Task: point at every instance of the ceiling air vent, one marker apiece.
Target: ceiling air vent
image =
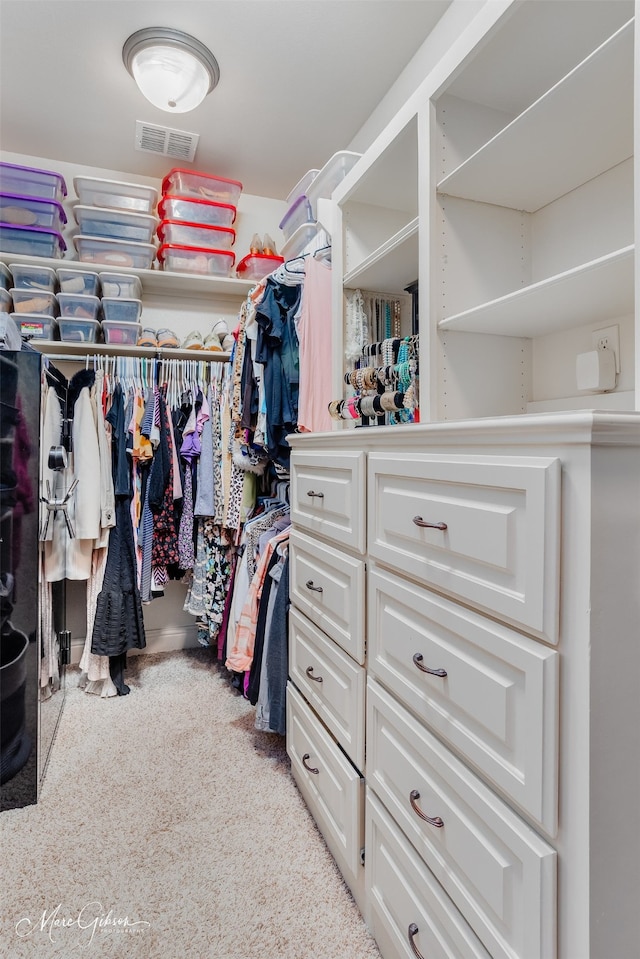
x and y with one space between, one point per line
165 142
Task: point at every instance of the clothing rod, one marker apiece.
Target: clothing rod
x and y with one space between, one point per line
82 350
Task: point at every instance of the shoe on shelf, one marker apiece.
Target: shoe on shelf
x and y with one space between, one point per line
167 339
211 342
147 338
256 244
269 246
220 328
193 341
228 342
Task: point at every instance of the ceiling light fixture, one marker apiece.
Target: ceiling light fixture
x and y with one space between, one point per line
173 70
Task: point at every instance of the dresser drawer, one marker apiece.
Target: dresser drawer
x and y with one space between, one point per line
331 682
405 902
498 545
332 789
500 874
328 587
328 496
492 693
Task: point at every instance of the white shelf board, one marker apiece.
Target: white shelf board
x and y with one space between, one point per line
581 127
589 293
153 281
392 267
80 350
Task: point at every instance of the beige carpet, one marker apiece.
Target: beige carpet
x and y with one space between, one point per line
168 828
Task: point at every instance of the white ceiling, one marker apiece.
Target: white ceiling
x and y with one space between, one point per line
298 80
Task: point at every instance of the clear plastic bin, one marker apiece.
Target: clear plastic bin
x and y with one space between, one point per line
32 211
177 233
118 309
331 174
120 284
125 333
194 210
37 302
36 327
256 265
97 249
6 303
31 241
115 195
301 186
300 240
79 281
27 276
28 181
79 331
193 259
204 185
298 213
78 306
6 278
115 224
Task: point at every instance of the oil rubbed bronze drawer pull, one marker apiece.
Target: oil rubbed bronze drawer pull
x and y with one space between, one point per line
417 659
432 820
309 672
309 585
419 521
311 769
413 931
311 492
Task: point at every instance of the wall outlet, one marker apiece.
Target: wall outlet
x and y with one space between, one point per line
608 339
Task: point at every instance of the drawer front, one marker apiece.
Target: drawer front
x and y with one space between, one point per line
331 787
500 874
492 693
328 496
405 902
328 587
331 682
498 547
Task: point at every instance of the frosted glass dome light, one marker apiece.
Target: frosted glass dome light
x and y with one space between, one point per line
174 71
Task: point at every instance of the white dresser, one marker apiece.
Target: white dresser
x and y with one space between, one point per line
464 663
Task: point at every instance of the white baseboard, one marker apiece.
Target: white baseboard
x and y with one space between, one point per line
158 641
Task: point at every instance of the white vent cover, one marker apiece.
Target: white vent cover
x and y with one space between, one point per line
165 142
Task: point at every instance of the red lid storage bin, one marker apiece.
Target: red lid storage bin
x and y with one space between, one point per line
181 233
191 183
194 210
194 259
256 265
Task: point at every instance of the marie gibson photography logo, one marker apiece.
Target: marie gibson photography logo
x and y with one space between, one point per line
86 923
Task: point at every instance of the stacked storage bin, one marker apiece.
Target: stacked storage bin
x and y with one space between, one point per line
35 305
116 223
197 213
99 305
31 214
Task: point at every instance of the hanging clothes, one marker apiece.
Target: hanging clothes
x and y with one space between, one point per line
316 348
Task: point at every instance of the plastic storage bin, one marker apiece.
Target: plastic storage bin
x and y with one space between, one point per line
115 224
99 249
81 306
299 212
78 281
118 309
31 241
301 186
79 331
32 211
34 301
27 276
6 303
191 183
115 195
6 278
120 284
28 181
256 265
300 240
331 174
193 259
175 232
124 333
194 210
36 327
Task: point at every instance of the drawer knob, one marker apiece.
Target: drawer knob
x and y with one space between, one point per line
309 585
311 769
418 657
311 492
413 931
309 672
419 521
432 820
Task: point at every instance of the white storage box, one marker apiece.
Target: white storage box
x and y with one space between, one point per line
78 281
119 309
194 210
94 249
300 240
331 174
301 186
115 224
34 301
36 327
79 331
124 333
27 276
175 232
120 284
78 306
114 195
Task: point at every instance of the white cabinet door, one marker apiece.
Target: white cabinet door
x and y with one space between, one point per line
328 496
488 691
328 587
484 529
498 871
